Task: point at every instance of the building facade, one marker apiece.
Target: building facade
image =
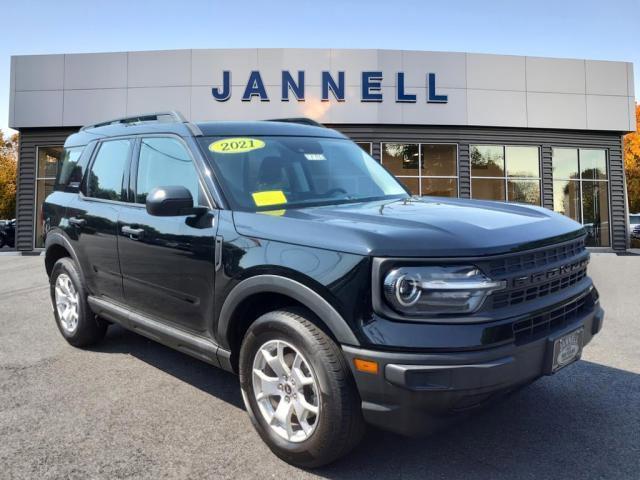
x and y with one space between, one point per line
536 130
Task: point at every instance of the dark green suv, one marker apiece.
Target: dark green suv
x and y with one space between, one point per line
283 252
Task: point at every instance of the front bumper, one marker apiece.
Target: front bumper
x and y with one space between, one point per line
416 393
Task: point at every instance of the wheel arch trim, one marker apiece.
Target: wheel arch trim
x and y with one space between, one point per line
291 288
57 238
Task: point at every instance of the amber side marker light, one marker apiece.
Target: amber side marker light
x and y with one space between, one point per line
366 366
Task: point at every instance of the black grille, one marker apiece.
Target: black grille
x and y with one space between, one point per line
545 323
537 259
520 295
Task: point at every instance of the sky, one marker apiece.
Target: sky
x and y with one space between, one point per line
602 30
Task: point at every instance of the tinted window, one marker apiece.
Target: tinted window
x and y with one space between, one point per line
107 171
165 162
70 171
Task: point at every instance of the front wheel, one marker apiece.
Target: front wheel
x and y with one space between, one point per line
298 390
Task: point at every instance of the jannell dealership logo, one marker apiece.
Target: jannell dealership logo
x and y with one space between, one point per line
331 85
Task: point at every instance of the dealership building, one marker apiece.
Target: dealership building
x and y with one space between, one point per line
543 131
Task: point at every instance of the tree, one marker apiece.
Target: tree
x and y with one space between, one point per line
632 165
8 175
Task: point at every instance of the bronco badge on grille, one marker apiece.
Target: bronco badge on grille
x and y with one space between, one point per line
549 274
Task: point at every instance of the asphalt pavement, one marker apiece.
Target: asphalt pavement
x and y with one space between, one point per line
131 408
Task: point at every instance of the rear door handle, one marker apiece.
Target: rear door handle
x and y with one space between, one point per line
133 233
78 222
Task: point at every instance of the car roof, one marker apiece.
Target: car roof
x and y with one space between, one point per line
266 128
209 129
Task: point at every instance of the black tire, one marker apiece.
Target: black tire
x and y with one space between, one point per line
2 241
90 329
340 425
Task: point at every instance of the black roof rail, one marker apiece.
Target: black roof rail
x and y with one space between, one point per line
300 120
169 116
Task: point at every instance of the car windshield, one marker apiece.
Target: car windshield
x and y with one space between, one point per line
267 173
635 219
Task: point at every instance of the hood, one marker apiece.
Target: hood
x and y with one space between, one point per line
416 227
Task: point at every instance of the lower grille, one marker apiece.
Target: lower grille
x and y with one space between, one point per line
545 323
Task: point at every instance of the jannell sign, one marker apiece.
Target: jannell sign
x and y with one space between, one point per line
371 87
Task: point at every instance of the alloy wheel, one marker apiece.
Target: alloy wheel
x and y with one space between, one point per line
286 390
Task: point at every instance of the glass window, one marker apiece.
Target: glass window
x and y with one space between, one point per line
522 162
580 190
366 146
566 198
565 163
510 173
401 159
593 164
290 172
439 161
70 171
595 211
440 187
49 159
164 162
524 191
107 171
487 161
488 189
412 184
436 172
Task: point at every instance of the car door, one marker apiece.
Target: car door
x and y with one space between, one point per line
93 217
168 263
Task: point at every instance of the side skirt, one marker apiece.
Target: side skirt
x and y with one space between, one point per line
196 346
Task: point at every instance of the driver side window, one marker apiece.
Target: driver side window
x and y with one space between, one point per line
164 161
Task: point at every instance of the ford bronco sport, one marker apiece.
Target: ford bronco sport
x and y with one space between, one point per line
282 251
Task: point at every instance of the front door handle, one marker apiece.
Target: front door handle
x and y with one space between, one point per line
78 222
133 233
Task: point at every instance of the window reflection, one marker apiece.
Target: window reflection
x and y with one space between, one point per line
440 187
565 163
522 162
426 169
400 158
593 164
48 162
510 173
412 184
566 198
524 191
595 208
488 189
487 161
366 146
580 190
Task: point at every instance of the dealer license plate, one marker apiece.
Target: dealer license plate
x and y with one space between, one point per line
567 349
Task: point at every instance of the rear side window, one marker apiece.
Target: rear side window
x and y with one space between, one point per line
165 162
71 170
107 171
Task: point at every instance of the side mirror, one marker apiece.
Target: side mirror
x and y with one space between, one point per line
170 201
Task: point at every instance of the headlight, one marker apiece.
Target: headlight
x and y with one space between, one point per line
432 290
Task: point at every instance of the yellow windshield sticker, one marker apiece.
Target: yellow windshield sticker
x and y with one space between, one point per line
274 213
270 197
236 145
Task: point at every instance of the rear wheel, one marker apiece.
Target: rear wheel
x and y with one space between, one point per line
298 390
75 320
